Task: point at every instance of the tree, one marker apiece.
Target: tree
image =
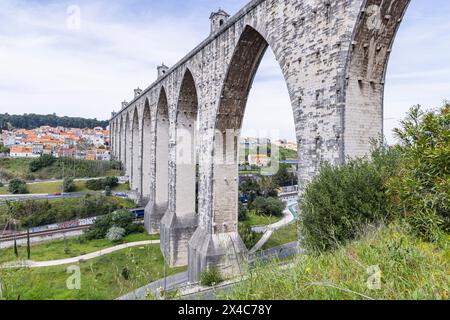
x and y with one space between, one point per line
268 206
68 185
284 177
422 188
17 186
243 212
44 161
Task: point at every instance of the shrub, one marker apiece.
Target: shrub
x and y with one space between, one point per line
99 228
242 212
211 277
115 234
125 273
17 186
68 185
43 161
249 237
339 202
268 206
421 191
1 184
101 184
122 219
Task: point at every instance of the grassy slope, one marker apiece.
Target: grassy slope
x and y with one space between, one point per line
54 250
410 269
70 203
260 220
101 278
19 168
52 187
282 236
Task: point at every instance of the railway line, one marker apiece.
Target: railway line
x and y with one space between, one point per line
41 233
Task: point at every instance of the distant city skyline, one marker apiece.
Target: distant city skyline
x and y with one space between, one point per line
57 65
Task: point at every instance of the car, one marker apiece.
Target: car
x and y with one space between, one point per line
57 194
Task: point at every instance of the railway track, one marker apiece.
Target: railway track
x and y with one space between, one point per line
41 233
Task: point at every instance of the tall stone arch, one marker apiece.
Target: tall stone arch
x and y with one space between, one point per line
146 152
158 205
136 147
180 221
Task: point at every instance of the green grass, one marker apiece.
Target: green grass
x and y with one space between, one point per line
254 219
410 269
20 168
101 278
54 250
282 236
53 187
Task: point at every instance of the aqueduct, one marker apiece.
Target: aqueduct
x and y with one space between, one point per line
178 138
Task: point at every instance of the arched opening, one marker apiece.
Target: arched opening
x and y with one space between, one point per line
162 156
146 151
136 154
229 122
121 143
125 144
128 148
186 155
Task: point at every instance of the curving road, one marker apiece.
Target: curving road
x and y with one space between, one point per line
288 218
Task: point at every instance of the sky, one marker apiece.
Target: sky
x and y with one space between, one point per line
52 62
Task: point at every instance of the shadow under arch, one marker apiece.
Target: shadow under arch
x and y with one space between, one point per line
244 65
127 145
180 222
136 177
186 155
121 143
158 205
146 145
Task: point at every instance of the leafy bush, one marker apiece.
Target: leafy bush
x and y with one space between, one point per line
249 237
17 186
43 161
341 201
1 184
211 277
242 212
421 191
35 213
101 184
268 206
284 177
115 234
122 219
68 185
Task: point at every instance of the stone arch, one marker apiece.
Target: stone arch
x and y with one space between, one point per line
156 209
127 145
120 144
179 223
186 155
243 66
146 146
136 177
366 67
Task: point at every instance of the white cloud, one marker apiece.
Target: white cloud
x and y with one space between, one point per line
47 68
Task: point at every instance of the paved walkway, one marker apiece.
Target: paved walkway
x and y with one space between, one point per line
89 256
288 218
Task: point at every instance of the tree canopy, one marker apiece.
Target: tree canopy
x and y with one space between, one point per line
31 121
